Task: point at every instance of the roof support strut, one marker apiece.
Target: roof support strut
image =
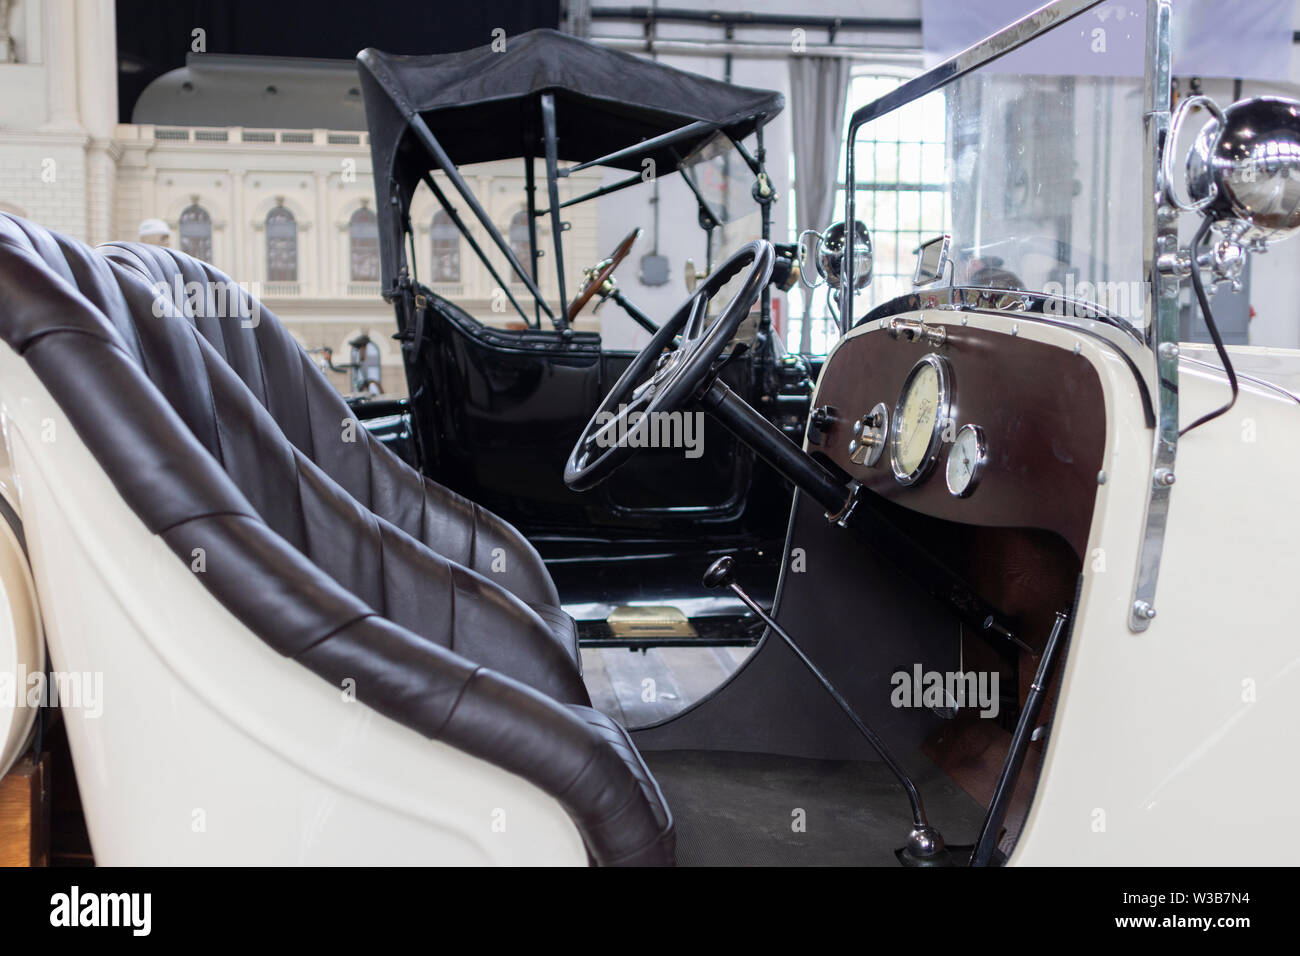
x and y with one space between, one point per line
444 162
553 194
459 223
530 188
644 147
596 193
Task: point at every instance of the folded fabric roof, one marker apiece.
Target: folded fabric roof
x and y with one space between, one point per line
485 104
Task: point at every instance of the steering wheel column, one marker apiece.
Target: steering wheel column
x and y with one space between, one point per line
771 444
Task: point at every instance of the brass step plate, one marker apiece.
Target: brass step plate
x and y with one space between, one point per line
653 620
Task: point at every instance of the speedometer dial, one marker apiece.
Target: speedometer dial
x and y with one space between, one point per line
916 430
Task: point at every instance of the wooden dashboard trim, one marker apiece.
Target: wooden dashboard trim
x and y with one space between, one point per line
1042 409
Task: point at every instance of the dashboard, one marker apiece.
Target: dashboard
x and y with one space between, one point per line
965 424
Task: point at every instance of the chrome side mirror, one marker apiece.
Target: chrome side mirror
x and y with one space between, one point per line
1243 168
931 260
830 252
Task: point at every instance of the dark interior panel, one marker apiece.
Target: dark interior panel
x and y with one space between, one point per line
1041 408
1019 541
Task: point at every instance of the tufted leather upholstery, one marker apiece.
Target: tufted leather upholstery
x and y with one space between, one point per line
312 416
227 438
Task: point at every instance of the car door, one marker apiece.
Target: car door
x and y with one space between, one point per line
498 410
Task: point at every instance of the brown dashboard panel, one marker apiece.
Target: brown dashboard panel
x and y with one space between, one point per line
1041 408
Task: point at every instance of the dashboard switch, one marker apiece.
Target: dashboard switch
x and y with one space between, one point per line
869 433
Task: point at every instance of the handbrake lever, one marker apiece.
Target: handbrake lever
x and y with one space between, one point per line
925 845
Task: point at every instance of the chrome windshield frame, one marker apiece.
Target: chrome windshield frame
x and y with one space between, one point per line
1009 38
1160 236
1160 245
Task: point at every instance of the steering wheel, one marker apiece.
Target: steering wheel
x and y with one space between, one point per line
601 271
664 378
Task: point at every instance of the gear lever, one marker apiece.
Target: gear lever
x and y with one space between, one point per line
925 846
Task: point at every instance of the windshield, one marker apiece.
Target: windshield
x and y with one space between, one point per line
1042 172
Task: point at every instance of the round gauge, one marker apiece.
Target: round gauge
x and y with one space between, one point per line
966 459
916 429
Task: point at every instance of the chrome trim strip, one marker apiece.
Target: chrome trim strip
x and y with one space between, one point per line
1009 38
1245 377
1160 235
983 298
1034 307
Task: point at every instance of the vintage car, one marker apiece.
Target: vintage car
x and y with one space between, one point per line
1003 632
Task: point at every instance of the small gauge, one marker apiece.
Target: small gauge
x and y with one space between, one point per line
966 460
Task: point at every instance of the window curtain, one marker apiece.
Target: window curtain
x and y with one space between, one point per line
819 88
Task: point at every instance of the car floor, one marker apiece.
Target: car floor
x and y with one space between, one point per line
741 809
638 688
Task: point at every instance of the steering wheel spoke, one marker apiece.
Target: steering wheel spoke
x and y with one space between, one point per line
695 323
618 421
601 273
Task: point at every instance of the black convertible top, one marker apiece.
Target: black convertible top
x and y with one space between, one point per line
487 103
484 104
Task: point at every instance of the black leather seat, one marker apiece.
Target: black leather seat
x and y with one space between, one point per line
311 414
223 435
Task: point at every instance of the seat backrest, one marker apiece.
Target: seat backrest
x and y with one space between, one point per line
314 418
205 465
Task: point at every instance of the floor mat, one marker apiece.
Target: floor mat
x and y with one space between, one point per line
737 809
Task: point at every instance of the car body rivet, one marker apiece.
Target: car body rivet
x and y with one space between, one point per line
1101 477
1015 330
1078 347
965 319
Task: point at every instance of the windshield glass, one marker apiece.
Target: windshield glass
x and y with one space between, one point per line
1042 172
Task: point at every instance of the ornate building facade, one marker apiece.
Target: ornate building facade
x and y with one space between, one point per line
287 211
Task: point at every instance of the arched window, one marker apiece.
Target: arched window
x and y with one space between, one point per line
445 241
519 244
281 246
363 238
196 232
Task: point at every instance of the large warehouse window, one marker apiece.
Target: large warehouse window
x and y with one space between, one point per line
901 197
901 184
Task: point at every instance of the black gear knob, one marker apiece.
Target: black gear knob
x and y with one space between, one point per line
720 572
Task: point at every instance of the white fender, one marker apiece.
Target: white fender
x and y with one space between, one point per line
199 744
